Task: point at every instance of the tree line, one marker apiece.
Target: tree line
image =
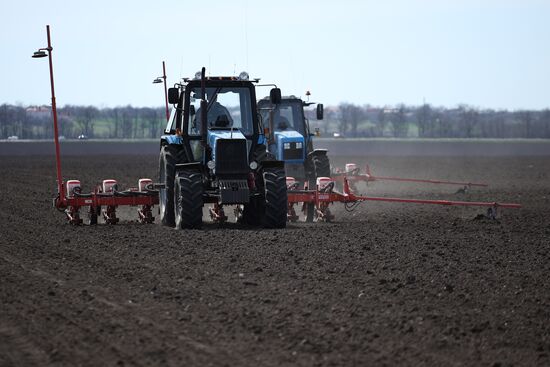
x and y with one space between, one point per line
345 119
35 122
426 121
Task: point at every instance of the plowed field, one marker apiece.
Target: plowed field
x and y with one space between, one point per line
388 284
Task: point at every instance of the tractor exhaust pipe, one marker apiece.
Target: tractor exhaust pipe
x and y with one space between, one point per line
204 108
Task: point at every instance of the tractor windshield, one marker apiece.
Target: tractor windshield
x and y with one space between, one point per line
228 107
287 115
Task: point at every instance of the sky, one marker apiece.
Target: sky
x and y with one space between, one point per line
484 53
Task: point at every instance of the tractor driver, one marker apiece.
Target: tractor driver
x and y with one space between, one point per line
282 123
217 115
279 121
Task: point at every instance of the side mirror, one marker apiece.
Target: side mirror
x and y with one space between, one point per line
320 111
173 95
275 96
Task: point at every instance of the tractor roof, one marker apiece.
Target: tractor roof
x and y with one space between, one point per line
292 97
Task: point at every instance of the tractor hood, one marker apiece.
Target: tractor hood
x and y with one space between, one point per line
288 134
290 145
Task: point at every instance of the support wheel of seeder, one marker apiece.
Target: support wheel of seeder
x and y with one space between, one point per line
318 166
188 200
93 214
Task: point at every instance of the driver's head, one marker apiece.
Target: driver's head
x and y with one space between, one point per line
221 121
282 123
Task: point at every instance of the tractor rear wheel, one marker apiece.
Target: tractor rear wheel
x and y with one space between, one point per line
276 200
319 166
170 155
188 200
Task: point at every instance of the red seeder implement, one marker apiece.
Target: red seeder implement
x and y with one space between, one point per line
70 199
108 197
324 195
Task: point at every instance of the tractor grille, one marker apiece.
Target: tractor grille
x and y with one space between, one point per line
231 157
290 151
234 191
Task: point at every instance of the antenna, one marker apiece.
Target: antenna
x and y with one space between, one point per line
246 32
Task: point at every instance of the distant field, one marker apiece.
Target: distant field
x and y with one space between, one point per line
336 147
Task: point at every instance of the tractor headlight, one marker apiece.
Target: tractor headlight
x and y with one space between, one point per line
287 145
253 165
299 145
211 164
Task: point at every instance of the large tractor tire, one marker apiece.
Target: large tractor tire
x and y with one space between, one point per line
253 212
318 166
276 200
188 200
170 155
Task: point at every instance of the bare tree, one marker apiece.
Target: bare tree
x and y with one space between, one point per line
545 122
350 115
469 118
424 121
399 122
381 122
526 119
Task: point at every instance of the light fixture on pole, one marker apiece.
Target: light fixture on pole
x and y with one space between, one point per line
159 80
41 52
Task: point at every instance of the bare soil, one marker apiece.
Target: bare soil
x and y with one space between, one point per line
388 284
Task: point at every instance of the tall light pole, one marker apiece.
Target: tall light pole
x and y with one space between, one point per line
160 79
39 54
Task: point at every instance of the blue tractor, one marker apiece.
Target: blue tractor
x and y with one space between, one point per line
290 140
213 151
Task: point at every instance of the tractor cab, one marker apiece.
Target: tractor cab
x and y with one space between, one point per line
230 113
290 138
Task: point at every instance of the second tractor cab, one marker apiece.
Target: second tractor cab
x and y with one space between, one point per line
290 140
214 151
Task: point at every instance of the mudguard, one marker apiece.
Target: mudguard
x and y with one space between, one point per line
273 164
317 152
197 166
171 139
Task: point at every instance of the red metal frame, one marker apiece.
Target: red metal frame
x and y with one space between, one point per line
323 199
368 177
110 201
71 202
165 91
60 189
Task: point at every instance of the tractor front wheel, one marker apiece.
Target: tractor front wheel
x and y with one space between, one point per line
276 200
188 200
